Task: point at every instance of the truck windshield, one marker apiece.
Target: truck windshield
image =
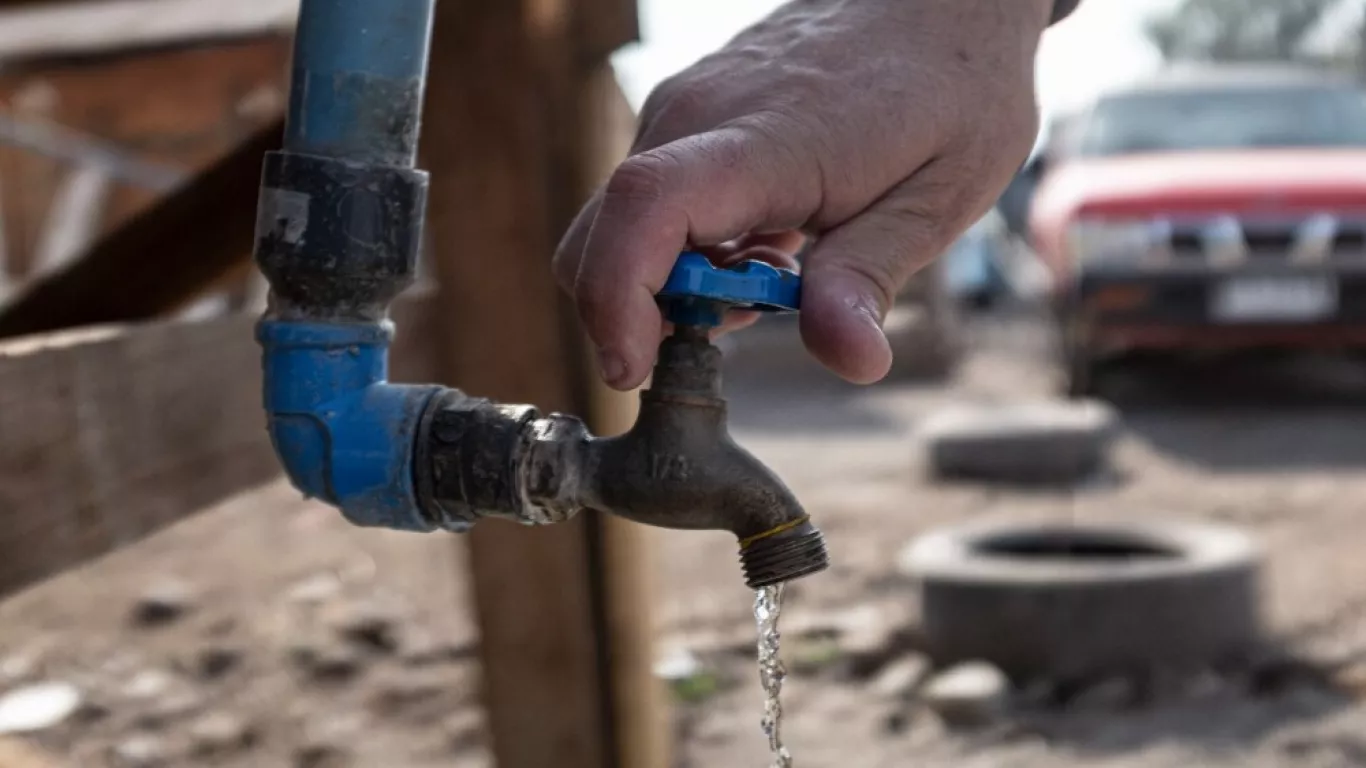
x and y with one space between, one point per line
1186 120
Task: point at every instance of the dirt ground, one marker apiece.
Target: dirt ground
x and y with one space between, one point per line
307 643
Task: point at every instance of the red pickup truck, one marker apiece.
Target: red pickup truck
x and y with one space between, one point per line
1207 210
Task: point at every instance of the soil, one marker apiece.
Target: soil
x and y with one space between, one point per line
291 639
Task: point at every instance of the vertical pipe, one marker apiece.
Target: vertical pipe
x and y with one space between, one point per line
360 69
338 230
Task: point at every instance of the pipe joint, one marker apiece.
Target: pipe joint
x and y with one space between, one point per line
337 240
343 434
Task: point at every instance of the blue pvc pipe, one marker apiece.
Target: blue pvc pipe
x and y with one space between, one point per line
343 433
360 69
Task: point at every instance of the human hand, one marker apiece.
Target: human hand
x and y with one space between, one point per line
883 128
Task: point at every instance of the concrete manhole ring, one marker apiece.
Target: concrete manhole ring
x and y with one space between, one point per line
1071 600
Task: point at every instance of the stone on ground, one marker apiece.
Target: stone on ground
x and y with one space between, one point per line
163 603
1021 442
901 677
139 751
38 707
220 733
967 695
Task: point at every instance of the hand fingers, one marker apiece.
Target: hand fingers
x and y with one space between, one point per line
704 189
854 272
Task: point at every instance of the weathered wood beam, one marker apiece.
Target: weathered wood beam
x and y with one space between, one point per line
112 433
563 611
161 259
71 30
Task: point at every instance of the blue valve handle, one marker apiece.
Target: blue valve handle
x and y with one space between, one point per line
698 293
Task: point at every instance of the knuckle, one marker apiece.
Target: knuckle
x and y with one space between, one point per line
676 107
641 178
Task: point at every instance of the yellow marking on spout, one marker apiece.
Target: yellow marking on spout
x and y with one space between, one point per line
745 543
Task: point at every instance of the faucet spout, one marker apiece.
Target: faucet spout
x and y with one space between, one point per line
678 467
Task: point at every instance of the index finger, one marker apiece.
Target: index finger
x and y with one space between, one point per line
701 190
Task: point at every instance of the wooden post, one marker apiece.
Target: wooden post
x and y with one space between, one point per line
562 610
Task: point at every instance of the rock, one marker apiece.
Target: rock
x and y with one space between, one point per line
148 684
326 662
1108 695
424 650
896 722
465 730
163 603
169 709
321 756
140 751
369 626
38 707
399 694
868 651
968 695
216 661
677 664
901 678
314 590
220 733
1025 442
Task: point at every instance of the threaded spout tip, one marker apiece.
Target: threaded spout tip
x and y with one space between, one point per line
784 557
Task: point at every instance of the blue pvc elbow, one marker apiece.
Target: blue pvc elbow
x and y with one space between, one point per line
343 433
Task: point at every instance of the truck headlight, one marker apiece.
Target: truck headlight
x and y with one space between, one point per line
1114 241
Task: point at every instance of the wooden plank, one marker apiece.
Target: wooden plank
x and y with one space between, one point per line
110 434
159 260
567 670
83 29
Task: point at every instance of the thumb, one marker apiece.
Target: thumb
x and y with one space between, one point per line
851 279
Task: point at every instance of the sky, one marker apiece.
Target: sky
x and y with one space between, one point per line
1100 46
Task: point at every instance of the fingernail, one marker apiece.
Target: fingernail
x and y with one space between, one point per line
612 365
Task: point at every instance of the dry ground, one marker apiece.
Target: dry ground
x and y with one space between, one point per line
1278 447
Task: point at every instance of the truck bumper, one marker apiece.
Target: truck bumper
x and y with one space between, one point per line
1115 311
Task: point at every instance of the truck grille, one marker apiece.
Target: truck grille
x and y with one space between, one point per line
1228 239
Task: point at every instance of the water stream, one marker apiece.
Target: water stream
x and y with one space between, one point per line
768 608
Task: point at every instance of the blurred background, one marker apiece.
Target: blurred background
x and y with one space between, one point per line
1105 510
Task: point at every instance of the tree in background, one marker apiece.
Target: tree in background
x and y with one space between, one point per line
1246 31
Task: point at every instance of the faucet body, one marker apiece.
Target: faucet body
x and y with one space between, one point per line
338 235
